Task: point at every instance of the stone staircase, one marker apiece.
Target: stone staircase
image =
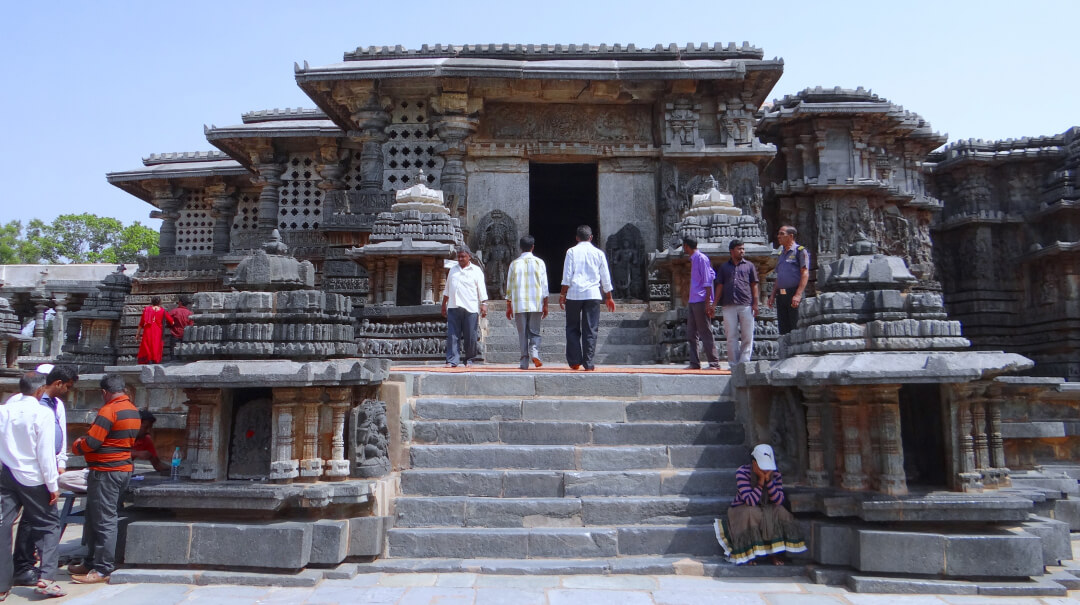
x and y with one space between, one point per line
625 336
526 466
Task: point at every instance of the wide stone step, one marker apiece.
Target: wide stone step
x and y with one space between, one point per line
616 356
517 432
544 543
575 458
615 336
599 384
705 567
558 512
586 410
558 484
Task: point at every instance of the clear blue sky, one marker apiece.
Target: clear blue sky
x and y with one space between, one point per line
92 87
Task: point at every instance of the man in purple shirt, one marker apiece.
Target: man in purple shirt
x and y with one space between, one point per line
698 323
737 294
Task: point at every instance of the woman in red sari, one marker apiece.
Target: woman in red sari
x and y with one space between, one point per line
151 326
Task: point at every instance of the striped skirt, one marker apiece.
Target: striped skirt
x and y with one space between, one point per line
755 531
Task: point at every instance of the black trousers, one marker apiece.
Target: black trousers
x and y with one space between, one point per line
104 492
44 525
582 326
786 317
699 327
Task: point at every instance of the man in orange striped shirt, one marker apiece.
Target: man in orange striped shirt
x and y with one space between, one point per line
107 448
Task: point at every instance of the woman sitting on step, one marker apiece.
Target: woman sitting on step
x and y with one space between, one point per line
757 524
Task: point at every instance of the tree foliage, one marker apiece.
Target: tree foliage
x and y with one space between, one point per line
75 238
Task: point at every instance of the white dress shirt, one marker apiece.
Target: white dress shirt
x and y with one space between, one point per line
465 288
585 271
28 442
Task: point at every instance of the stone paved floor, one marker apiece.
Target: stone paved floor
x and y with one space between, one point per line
469 589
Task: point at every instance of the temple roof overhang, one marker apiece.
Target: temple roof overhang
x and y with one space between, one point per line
177 168
819 102
977 151
272 130
505 73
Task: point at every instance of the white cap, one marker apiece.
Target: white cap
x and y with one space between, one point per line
44 368
763 454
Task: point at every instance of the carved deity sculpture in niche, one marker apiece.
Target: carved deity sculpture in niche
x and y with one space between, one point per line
626 253
370 441
496 237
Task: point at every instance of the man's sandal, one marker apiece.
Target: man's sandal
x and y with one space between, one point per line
4 595
49 589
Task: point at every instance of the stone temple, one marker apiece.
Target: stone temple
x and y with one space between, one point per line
925 411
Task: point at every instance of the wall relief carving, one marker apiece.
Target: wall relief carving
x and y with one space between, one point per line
496 237
626 254
369 439
565 122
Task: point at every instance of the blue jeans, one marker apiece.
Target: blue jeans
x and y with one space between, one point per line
462 328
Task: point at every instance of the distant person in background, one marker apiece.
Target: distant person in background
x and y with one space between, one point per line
757 523
464 302
151 331
181 316
527 300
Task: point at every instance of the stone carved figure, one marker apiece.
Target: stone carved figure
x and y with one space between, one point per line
496 237
370 439
626 255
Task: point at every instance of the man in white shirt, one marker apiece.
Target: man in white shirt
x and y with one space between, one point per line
28 480
58 381
585 276
527 300
464 302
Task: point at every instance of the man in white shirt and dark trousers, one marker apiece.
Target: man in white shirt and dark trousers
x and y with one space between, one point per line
464 302
28 480
585 276
58 381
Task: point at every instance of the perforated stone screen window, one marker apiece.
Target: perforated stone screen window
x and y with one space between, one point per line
300 203
247 214
411 146
195 226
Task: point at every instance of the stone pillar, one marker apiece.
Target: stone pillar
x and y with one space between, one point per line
893 480
56 341
978 435
223 209
41 306
852 477
203 423
967 476
337 467
389 296
816 475
270 179
168 200
284 466
371 121
311 466
453 131
378 278
428 276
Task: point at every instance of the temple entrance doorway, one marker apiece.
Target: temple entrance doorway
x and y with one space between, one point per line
250 434
922 434
561 197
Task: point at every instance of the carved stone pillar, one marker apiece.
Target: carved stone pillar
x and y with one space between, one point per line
168 200
284 466
978 434
56 342
968 477
371 120
337 467
428 276
270 179
203 423
389 296
892 480
375 288
41 306
852 477
816 475
311 466
453 131
223 209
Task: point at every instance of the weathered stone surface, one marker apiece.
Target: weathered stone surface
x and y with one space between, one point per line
430 512
660 540
446 408
455 432
308 577
1001 556
574 409
651 511
329 541
451 483
623 458
899 552
513 543
158 543
367 536
1056 541
710 433
568 543
523 512
625 483
675 410
833 544
869 584
532 484
602 385
275 545
545 433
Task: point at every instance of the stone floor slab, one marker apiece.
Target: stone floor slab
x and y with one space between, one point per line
627 582
581 597
509 596
803 599
289 596
456 580
443 595
408 580
696 597
532 583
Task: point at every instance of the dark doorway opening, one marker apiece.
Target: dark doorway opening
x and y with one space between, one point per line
250 434
922 434
561 197
408 285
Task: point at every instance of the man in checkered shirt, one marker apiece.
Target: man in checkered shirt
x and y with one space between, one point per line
527 300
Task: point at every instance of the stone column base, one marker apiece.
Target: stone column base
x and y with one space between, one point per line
201 471
337 470
284 470
311 468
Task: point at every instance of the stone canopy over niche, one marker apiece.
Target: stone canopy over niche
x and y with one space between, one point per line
565 122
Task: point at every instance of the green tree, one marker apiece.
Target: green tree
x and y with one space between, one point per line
76 238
